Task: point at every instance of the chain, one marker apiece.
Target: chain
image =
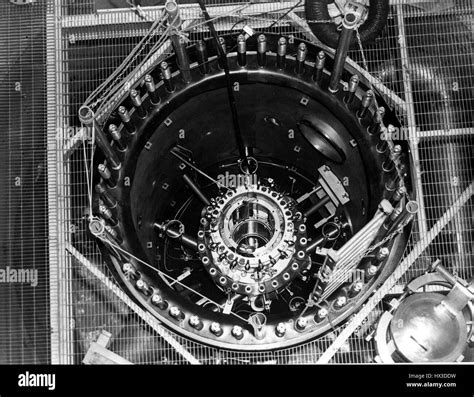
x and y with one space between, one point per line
320 21
372 248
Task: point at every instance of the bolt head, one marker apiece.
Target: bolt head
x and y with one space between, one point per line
156 299
341 301
372 270
323 312
237 331
281 329
175 312
215 328
302 322
194 321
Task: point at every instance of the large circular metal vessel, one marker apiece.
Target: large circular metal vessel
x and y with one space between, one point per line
239 256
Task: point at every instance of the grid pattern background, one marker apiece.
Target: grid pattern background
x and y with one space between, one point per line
55 53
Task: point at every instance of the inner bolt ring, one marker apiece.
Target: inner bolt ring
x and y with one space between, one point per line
271 266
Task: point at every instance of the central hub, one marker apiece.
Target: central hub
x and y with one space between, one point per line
251 224
252 240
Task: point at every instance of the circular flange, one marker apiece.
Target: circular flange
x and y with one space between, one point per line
254 240
149 190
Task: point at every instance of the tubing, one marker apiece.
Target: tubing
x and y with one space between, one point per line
317 10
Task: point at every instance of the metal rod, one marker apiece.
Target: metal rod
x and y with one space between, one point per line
241 50
261 50
117 137
150 87
107 214
107 176
106 197
222 60
365 105
244 151
202 57
104 144
317 206
377 121
196 189
301 58
281 53
179 46
123 113
86 116
187 240
137 102
319 67
353 84
167 78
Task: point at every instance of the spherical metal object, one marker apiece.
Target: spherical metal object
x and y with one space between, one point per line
424 330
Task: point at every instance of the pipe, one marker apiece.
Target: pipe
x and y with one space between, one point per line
179 46
425 79
117 137
123 113
137 102
317 206
261 50
301 58
281 53
348 27
202 57
150 87
353 84
186 240
241 50
167 78
319 67
87 118
106 197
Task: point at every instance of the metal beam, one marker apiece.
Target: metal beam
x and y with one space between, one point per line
410 113
61 334
144 315
187 12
